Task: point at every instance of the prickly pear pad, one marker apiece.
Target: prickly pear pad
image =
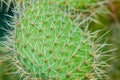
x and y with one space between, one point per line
49 45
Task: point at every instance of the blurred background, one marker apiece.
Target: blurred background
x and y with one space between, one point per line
108 20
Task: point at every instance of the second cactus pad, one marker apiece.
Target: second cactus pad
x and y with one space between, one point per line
50 46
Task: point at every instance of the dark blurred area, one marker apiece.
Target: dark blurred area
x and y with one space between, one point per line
115 39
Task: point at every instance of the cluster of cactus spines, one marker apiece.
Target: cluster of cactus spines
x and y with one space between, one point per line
5 2
6 5
48 45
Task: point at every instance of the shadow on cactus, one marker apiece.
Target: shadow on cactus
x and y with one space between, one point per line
48 45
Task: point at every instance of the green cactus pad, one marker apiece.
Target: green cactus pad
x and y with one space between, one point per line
50 46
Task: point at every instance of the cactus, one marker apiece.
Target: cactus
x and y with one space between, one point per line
5 9
79 4
5 5
48 45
